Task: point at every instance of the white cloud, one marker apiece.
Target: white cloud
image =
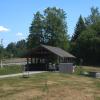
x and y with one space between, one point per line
3 29
19 34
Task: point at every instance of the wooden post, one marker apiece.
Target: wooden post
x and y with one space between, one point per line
27 61
59 59
34 60
31 60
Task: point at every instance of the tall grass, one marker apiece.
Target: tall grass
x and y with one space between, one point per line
11 69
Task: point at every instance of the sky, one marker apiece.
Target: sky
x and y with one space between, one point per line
16 15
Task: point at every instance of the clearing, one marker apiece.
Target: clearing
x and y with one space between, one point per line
50 86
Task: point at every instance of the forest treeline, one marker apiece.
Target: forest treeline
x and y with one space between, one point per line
50 28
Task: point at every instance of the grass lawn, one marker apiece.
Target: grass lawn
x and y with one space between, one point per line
11 69
81 69
50 86
91 68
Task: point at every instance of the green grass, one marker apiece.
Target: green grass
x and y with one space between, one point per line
81 69
91 68
49 86
10 69
55 86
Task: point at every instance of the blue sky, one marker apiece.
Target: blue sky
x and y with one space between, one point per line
16 15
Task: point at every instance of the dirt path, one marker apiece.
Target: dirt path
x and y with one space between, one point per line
19 74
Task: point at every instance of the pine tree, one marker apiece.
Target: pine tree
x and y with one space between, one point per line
80 26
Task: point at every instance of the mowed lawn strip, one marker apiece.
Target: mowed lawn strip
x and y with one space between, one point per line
51 86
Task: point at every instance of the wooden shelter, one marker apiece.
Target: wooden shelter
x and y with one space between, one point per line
42 56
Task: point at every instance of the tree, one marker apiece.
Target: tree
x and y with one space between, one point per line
11 48
86 46
16 49
56 27
50 29
96 27
3 53
80 26
21 44
94 17
21 47
36 31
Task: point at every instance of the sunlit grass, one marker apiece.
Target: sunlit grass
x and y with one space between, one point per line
52 85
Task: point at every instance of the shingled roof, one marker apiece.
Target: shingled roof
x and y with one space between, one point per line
58 51
55 50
